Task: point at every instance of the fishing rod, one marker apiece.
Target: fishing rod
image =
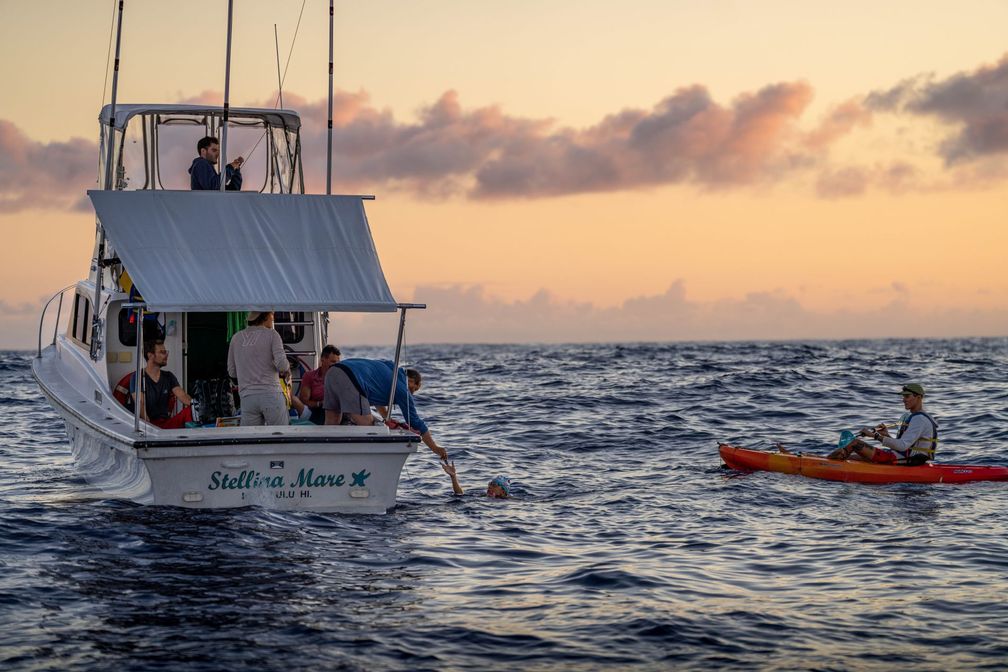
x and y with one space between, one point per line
96 321
328 163
281 80
227 99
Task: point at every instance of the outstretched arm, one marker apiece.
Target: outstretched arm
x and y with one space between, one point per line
450 470
428 439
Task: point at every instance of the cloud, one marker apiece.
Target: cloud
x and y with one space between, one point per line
685 138
43 175
466 314
21 309
975 102
483 153
841 183
849 181
840 121
688 138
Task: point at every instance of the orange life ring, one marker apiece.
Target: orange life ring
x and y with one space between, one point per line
121 389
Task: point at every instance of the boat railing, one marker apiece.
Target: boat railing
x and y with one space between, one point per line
59 312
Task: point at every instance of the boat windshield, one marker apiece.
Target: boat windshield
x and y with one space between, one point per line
154 147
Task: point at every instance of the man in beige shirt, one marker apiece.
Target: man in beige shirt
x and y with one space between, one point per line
256 358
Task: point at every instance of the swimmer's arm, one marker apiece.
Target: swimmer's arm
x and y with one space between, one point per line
450 470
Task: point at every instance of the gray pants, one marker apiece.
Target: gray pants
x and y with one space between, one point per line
341 395
264 408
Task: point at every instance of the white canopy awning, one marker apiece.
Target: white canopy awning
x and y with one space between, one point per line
124 113
207 251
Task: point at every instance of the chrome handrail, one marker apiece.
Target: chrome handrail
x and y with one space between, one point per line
59 311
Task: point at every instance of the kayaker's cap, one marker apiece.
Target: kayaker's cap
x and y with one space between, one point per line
502 482
912 388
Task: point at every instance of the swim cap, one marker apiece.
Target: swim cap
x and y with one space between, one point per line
504 482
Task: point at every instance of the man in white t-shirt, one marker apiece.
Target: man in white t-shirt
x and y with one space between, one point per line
914 443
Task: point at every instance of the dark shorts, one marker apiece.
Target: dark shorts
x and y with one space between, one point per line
342 396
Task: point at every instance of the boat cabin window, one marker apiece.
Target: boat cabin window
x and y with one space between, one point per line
158 147
153 329
80 319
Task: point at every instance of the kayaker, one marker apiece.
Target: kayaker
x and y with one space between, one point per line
914 443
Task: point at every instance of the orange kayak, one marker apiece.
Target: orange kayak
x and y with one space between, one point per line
853 471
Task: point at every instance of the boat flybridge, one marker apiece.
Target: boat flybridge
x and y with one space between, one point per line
185 266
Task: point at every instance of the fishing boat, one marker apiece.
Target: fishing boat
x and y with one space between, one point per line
184 266
853 471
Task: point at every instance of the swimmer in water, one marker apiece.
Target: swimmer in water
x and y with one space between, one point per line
498 488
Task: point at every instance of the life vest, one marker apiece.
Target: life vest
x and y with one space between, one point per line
125 282
285 388
922 445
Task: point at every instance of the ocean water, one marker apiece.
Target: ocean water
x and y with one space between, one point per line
627 546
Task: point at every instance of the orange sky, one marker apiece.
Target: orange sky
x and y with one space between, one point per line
794 168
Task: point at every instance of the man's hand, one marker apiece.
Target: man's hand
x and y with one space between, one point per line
440 452
237 163
882 429
449 468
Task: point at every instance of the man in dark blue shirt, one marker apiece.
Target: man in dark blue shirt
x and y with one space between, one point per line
354 385
203 175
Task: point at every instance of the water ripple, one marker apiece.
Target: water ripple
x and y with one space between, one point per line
627 545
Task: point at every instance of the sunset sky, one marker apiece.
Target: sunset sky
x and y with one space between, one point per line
574 171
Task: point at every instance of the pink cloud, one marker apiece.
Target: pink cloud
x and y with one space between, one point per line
43 175
687 138
467 314
841 120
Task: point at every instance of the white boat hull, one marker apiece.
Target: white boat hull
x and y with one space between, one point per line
339 469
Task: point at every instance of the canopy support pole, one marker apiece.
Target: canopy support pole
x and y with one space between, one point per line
227 101
138 381
403 307
96 320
